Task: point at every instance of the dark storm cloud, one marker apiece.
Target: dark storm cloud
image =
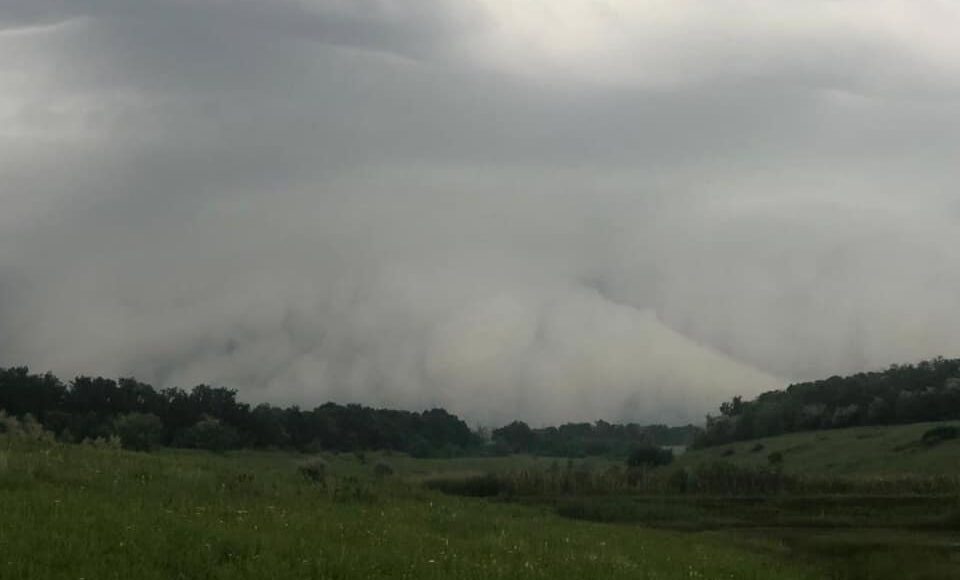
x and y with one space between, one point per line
557 210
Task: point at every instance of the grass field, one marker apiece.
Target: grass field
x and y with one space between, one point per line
79 511
868 503
72 511
858 451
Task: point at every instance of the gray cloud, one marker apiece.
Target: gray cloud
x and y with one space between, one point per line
549 211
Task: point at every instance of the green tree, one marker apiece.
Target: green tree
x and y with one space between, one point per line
139 431
210 434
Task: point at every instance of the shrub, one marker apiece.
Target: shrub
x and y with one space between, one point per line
8 424
111 443
382 469
210 434
420 448
728 479
940 434
649 456
775 458
757 448
314 470
728 452
139 431
27 428
353 490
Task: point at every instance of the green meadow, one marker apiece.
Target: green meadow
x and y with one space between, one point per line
82 511
856 451
77 511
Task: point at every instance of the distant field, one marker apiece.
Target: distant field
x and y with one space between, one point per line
78 512
886 450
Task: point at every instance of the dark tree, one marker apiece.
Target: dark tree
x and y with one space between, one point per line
139 431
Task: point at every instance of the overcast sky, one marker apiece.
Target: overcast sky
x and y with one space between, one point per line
550 209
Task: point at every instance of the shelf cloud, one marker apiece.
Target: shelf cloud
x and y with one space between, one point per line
549 210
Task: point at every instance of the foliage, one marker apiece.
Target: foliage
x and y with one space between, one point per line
91 408
210 434
382 469
212 418
314 470
939 434
588 439
139 431
26 427
649 456
927 391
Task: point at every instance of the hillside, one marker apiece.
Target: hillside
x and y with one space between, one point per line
899 395
876 450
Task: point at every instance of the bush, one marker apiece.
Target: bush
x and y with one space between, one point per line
723 478
775 458
352 490
757 448
210 434
27 427
139 431
314 470
649 456
382 469
940 434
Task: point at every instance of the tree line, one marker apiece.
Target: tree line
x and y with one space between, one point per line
208 417
909 393
205 417
590 439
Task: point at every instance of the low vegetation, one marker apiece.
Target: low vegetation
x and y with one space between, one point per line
879 525
227 491
85 511
873 452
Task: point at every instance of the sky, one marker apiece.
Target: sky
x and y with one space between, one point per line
551 210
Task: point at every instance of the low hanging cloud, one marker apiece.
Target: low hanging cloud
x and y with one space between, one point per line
553 211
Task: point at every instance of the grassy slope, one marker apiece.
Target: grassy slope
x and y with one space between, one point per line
883 450
79 512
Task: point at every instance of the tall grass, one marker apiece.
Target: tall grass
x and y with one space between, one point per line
85 511
713 478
